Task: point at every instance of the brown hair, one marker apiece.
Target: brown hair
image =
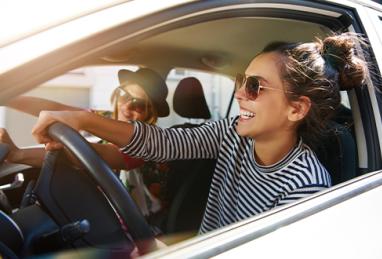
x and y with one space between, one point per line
319 70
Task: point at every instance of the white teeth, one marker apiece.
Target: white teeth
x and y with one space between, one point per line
247 114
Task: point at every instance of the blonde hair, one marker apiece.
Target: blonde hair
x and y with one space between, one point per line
152 115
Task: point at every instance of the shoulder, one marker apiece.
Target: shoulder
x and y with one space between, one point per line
307 170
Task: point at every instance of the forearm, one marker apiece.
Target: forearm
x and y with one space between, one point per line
116 132
111 155
34 105
108 152
157 144
28 156
113 131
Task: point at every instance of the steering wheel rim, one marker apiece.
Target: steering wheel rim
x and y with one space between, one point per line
104 176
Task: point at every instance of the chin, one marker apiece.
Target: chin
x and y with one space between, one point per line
246 131
242 131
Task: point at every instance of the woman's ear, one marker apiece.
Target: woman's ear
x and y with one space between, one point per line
299 109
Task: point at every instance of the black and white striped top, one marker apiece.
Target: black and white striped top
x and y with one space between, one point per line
240 187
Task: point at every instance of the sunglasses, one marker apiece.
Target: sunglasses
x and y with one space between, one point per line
134 104
252 86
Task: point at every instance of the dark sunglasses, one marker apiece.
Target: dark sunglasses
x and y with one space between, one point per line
252 86
134 104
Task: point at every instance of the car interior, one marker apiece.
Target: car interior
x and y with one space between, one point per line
59 196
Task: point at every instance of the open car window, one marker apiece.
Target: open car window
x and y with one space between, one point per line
210 41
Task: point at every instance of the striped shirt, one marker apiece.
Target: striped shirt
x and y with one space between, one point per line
240 187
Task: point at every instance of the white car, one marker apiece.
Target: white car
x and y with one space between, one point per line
216 37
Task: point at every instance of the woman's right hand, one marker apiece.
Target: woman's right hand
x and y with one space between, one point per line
116 132
46 118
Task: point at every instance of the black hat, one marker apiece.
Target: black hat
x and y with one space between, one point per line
153 85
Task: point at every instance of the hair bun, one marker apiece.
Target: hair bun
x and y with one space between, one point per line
339 53
336 52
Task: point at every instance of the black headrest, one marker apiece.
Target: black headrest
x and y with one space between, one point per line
189 100
337 151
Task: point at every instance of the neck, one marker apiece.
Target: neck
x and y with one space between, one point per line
271 150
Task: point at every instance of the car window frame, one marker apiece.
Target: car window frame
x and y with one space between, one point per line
137 35
217 242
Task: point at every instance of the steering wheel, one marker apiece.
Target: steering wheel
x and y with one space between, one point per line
104 177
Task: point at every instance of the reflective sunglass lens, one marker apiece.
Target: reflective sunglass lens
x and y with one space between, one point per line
137 105
134 104
252 87
251 84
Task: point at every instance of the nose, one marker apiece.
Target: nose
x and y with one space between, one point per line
124 106
240 93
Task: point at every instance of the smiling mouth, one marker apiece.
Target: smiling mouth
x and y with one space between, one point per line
246 115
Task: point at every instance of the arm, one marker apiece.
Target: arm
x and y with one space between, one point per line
111 154
28 156
113 131
33 105
151 143
115 158
35 156
157 144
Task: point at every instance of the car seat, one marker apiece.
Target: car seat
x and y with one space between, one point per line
336 149
189 101
189 180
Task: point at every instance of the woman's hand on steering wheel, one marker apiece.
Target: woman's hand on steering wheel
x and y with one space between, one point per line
46 118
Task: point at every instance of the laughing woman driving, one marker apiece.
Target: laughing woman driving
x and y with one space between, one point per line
288 93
